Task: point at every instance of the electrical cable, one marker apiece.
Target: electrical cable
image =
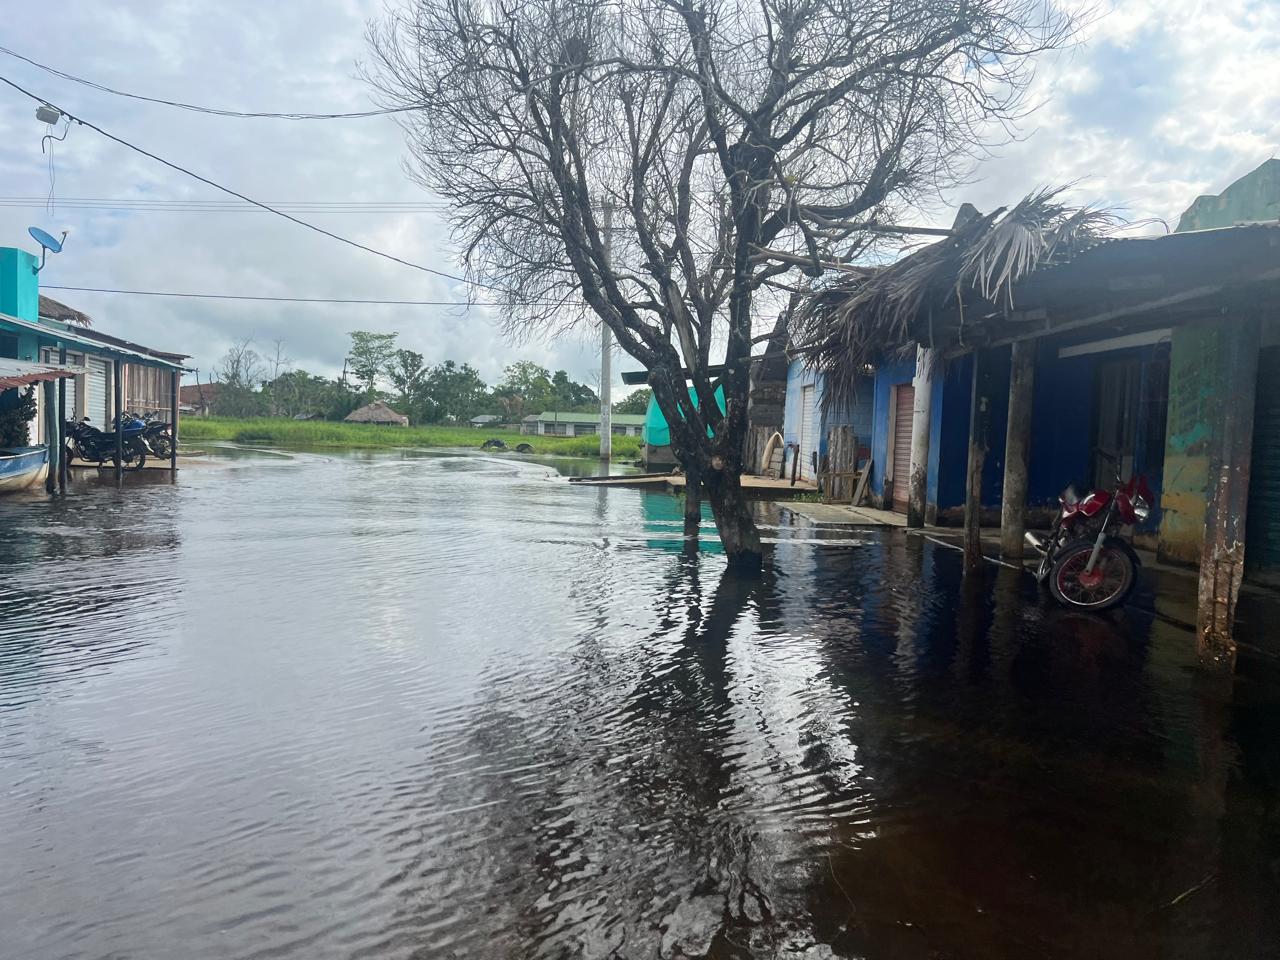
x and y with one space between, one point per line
256 203
265 114
271 299
236 296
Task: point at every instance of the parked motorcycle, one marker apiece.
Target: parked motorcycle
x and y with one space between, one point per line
157 435
1084 563
92 445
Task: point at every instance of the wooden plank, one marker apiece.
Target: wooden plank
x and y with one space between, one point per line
861 490
1013 501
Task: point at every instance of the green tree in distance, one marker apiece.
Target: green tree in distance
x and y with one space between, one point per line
636 403
453 393
371 355
408 375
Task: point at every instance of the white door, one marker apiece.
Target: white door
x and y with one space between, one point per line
96 392
808 432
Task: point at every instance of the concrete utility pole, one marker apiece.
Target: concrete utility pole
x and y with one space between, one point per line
606 352
922 407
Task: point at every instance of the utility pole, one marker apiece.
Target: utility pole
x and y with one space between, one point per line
606 351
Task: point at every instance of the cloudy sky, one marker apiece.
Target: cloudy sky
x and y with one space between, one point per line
1162 101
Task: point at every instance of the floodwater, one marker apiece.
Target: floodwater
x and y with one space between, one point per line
432 706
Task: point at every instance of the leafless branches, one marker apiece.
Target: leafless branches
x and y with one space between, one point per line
735 142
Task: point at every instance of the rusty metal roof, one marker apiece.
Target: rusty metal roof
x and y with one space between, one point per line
23 373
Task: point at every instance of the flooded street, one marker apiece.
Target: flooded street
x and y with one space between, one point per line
426 706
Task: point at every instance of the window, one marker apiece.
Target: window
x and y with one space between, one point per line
556 429
620 429
585 429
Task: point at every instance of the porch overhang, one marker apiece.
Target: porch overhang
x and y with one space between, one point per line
62 337
1122 286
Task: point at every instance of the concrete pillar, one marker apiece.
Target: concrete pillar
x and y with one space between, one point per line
1230 460
1017 449
978 417
922 406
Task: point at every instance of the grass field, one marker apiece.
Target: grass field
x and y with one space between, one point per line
315 433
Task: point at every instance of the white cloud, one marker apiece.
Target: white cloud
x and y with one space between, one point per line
1165 99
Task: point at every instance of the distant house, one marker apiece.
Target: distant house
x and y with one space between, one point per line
586 424
199 399
529 425
308 416
485 420
379 413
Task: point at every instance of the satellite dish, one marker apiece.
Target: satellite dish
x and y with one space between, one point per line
47 243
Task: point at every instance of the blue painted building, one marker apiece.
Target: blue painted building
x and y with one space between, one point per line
1091 393
807 422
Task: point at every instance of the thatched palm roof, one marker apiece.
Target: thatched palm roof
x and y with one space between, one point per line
377 412
948 293
54 310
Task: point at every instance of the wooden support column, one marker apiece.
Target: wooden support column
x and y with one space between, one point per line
174 376
62 424
1230 460
922 406
52 440
117 383
978 417
1017 449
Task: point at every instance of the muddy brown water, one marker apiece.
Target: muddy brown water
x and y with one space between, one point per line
412 705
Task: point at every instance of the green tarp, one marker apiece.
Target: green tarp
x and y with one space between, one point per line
656 431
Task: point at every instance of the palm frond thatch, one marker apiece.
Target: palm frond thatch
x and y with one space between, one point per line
938 294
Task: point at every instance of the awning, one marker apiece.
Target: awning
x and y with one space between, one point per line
61 334
23 373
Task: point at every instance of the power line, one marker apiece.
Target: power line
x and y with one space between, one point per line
18 203
227 190
265 114
235 296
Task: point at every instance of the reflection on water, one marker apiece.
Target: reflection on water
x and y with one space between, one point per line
405 705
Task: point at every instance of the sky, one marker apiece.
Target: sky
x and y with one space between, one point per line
1159 101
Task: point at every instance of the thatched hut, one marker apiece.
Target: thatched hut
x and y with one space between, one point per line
379 413
1032 347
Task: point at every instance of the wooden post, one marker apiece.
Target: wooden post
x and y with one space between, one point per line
118 389
51 439
1222 557
174 376
62 424
978 416
1017 449
921 407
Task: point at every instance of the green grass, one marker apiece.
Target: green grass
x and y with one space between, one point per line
313 433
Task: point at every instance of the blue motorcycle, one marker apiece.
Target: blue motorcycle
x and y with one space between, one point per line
92 445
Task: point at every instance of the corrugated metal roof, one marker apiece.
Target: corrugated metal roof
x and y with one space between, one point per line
632 419
90 343
23 373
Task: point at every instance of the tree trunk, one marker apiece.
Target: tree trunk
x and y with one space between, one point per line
737 528
692 498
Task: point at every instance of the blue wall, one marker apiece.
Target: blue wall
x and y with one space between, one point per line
1062 424
856 414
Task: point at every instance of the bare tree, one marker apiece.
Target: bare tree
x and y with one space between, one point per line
241 367
730 143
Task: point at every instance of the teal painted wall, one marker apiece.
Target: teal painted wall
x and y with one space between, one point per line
19 284
1255 196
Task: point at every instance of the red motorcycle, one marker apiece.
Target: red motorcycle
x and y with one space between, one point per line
1084 563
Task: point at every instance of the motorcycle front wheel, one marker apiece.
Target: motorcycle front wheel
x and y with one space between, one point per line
1108 585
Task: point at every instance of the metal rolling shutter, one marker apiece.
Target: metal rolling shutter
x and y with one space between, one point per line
904 401
1262 535
808 435
95 393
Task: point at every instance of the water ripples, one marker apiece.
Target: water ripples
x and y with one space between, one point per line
449 705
